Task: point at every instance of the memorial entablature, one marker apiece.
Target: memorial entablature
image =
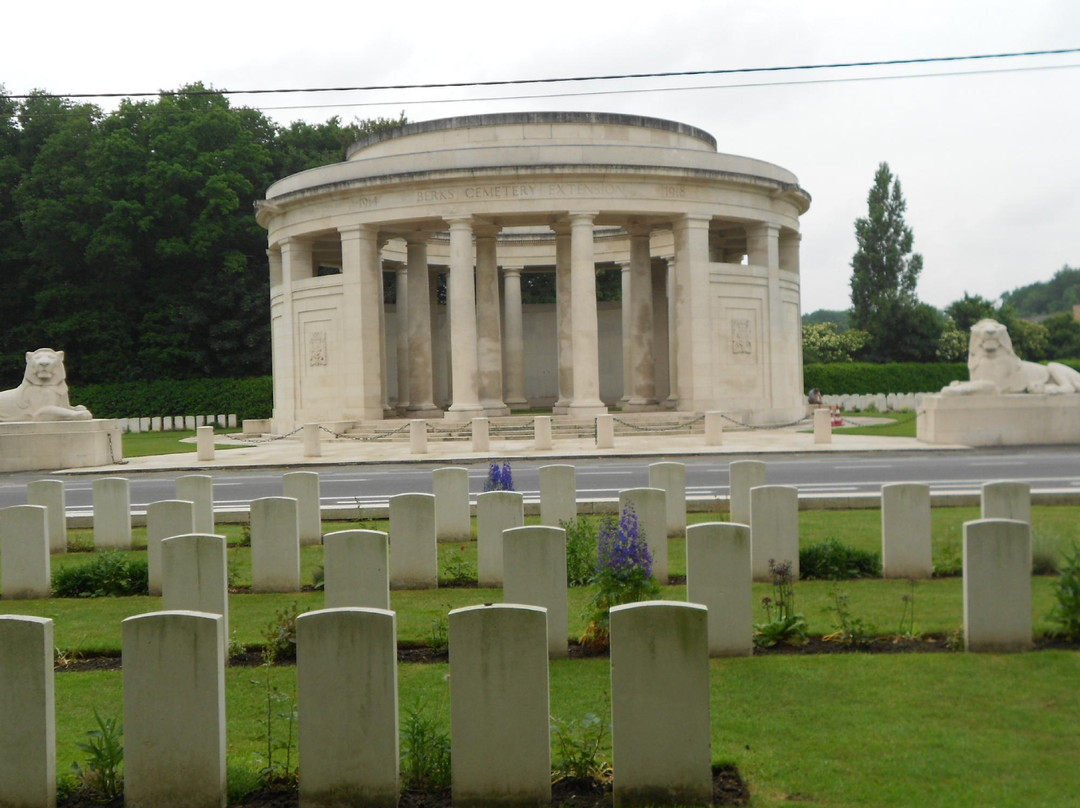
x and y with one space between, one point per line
707 243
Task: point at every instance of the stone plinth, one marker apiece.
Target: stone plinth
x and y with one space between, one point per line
54 445
27 713
997 585
1000 420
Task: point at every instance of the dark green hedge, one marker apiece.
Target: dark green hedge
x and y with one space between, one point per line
248 398
856 378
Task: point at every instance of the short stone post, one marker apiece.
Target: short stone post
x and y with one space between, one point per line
542 432
275 545
414 560
24 552
650 505
27 713
50 494
534 573
671 479
112 513
496 511
481 435
822 425
742 476
774 529
605 432
997 585
204 443
174 710
347 700
718 577
905 531
714 429
199 490
196 578
303 486
165 519
452 517
356 571
558 494
499 714
418 436
1006 500
312 440
661 741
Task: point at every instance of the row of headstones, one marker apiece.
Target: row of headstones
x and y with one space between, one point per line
880 401
347 693
166 423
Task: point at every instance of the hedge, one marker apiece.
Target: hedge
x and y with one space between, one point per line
248 398
856 378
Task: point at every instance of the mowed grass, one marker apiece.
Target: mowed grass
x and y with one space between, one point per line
145 444
902 426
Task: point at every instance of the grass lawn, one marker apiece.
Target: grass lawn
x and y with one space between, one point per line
903 425
144 444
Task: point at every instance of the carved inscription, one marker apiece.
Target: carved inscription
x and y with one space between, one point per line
317 349
524 191
672 191
742 341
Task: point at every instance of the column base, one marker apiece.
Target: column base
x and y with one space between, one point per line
494 409
517 404
587 409
560 407
462 415
642 405
424 411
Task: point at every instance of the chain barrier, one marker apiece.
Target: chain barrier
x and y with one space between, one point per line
675 428
255 442
363 438
807 419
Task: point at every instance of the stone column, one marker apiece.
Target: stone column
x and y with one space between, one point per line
625 320
421 373
401 321
586 402
639 327
514 339
440 345
692 314
564 319
672 400
292 260
384 359
361 362
763 250
661 362
460 289
488 327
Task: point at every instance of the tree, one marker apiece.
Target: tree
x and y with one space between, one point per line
885 272
968 310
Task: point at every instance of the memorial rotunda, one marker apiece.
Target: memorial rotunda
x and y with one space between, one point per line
707 244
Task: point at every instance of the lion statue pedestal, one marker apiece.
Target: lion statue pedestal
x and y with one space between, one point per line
1006 402
41 431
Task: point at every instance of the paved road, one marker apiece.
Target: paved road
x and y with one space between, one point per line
1046 469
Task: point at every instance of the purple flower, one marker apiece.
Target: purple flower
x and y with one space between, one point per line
621 547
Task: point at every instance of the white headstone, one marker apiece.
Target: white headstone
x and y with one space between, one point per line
558 494
905 531
414 558
112 513
24 552
774 529
718 577
27 712
196 577
671 478
165 519
452 517
650 505
1006 500
356 571
303 486
743 475
199 490
50 494
997 585
496 511
275 545
534 573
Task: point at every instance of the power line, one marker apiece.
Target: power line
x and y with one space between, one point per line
553 80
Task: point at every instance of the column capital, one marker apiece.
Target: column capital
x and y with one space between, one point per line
485 229
624 266
763 229
579 217
695 220
398 267
417 237
511 272
638 230
459 222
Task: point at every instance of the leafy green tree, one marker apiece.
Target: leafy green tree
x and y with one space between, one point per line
823 342
1063 335
884 275
1059 294
969 309
842 319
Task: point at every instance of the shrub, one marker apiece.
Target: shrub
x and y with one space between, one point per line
578 745
788 626
890 377
105 753
425 752
248 398
1066 611
107 574
280 634
832 561
580 552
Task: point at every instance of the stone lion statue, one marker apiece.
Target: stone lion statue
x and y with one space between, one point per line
43 394
995 367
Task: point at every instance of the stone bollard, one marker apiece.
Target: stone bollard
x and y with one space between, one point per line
822 425
671 479
174 746
558 494
27 712
303 486
418 436
997 585
196 578
198 489
496 511
414 561
275 545
774 529
24 552
605 432
112 513
452 517
742 476
499 713
661 742
356 569
718 577
905 531
714 428
534 573
165 519
204 443
650 505
50 495
347 700
481 441
542 432
312 440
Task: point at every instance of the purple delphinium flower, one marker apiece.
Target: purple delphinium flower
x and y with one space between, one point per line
621 547
500 477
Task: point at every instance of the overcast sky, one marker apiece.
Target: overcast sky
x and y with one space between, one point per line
989 164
